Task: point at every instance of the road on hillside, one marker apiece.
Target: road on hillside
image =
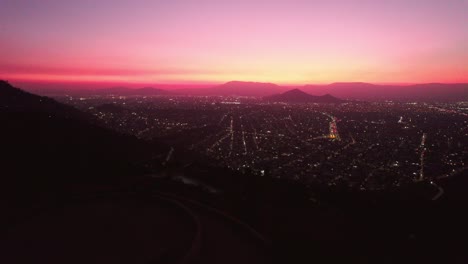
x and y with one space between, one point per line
156 228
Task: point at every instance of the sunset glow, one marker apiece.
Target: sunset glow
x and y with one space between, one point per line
401 41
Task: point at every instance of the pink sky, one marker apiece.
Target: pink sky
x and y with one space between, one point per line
286 42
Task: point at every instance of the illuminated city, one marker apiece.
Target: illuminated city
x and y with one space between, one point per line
362 145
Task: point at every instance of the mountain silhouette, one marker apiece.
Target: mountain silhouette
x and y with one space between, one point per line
367 91
235 88
347 90
50 148
15 101
298 96
66 181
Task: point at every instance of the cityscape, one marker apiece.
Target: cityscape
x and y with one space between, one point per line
360 145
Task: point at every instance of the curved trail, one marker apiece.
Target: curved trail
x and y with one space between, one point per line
225 239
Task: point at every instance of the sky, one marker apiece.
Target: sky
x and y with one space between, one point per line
214 41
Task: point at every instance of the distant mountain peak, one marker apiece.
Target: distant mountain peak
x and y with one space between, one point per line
299 96
240 88
295 91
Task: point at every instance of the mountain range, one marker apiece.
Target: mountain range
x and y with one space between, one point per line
344 90
235 88
367 91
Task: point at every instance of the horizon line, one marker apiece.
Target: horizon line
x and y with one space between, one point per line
199 84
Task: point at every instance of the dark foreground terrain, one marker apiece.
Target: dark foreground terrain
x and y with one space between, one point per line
73 191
